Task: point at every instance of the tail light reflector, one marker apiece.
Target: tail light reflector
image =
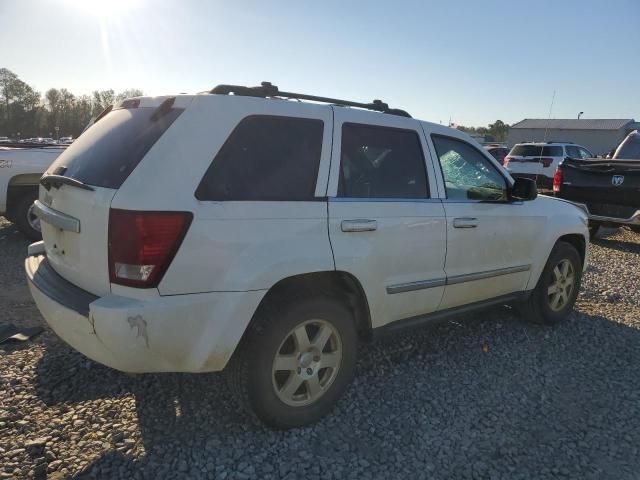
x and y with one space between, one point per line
505 162
557 180
143 244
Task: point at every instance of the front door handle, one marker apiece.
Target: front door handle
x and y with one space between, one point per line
466 222
360 225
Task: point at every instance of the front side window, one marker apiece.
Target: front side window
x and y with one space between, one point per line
266 158
381 162
468 174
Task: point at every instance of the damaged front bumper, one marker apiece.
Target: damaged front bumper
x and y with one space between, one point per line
178 333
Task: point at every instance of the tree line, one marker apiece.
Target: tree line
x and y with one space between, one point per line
498 130
25 112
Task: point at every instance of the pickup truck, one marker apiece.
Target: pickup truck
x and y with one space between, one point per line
21 166
607 189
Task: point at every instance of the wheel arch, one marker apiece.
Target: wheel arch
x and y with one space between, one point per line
341 285
578 242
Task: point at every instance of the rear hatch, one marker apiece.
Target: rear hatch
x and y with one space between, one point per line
602 181
80 185
534 159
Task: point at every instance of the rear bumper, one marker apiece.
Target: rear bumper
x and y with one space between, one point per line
632 220
180 333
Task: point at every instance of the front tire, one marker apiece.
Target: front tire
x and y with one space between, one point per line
555 294
296 362
24 217
593 230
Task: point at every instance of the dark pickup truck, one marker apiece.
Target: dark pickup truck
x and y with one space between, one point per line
608 189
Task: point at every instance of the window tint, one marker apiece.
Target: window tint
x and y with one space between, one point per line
111 148
266 158
380 162
468 174
572 151
585 153
536 151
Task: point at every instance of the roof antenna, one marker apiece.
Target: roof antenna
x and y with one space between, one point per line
549 119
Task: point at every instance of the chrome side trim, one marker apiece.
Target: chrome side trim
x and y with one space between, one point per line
441 282
56 218
470 277
421 285
382 200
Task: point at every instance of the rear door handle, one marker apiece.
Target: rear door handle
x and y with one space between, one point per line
466 222
360 225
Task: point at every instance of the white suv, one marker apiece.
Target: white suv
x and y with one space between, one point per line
267 237
538 161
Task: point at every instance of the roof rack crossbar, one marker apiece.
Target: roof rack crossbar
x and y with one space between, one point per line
266 89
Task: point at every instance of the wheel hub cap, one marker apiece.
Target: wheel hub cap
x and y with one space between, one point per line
561 285
306 363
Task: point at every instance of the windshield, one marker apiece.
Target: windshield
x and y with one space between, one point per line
536 151
108 151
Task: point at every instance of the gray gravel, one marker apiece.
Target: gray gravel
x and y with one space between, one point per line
488 396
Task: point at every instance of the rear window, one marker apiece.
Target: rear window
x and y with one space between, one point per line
110 150
629 149
536 151
266 158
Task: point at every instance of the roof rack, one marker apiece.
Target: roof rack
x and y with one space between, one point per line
266 89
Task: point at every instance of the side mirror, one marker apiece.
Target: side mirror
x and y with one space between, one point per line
524 189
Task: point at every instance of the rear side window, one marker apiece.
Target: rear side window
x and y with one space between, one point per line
572 151
536 151
111 149
266 158
380 162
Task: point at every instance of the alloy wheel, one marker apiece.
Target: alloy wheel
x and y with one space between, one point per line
306 363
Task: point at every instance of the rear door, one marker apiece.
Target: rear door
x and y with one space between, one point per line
386 224
75 218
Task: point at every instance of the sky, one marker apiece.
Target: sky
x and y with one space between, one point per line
469 61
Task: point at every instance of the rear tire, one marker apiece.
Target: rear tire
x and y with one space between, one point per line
24 218
296 361
557 289
635 228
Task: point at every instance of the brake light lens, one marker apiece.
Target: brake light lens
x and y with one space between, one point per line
143 244
557 180
505 162
546 162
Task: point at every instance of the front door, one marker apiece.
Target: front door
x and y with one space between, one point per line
385 227
489 238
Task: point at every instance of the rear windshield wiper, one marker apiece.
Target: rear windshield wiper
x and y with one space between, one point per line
56 181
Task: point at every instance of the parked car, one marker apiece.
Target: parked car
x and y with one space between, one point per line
266 237
20 170
607 189
5 140
498 152
65 140
538 161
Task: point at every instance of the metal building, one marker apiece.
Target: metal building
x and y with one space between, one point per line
598 135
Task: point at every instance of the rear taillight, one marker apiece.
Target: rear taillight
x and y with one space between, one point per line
505 162
546 162
142 245
557 180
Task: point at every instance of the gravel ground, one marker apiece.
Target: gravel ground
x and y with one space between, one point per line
488 396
